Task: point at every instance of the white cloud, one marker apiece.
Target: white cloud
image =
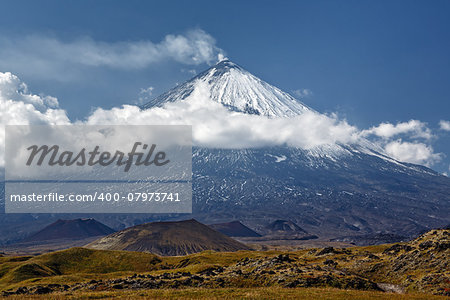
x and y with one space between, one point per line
11 88
52 57
407 148
215 126
221 57
417 153
19 107
189 71
302 93
145 94
445 125
415 128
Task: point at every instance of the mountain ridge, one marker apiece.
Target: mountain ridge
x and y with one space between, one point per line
234 229
168 238
70 229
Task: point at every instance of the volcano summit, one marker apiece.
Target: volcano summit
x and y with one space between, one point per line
238 90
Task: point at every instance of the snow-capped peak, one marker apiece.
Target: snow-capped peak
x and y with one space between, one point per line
238 90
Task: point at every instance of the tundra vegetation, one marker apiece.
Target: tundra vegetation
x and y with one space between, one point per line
413 270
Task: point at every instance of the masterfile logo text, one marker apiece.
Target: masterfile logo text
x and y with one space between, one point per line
94 157
81 168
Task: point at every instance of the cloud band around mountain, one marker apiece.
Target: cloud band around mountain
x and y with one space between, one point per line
215 126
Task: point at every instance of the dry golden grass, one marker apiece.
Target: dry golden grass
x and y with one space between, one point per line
236 293
415 269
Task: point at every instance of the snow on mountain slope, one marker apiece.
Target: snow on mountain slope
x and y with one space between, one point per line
238 90
329 189
337 188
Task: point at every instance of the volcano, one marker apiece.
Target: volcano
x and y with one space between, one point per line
328 190
331 191
70 229
168 238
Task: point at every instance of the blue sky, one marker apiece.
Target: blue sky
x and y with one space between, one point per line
369 61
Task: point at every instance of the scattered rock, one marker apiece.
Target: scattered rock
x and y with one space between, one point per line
327 250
